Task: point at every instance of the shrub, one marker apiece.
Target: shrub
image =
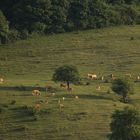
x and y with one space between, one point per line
125 125
122 87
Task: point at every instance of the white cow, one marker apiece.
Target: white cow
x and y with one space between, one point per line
92 76
1 80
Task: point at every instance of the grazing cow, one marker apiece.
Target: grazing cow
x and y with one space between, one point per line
69 89
89 76
76 97
1 80
92 76
36 93
63 98
63 85
61 106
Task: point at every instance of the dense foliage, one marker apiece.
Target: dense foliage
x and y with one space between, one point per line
125 125
53 16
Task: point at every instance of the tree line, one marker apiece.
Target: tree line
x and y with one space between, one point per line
20 18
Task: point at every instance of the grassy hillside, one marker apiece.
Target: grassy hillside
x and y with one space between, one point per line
32 62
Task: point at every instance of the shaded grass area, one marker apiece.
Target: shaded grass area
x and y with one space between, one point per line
72 122
85 118
29 64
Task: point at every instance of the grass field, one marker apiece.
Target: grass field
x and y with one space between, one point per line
32 62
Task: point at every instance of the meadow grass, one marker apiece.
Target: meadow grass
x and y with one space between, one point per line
32 62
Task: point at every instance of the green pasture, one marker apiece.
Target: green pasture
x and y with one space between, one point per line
31 63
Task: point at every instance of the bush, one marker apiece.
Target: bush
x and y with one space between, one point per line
125 125
122 87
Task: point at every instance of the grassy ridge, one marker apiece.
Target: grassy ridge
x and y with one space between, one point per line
30 62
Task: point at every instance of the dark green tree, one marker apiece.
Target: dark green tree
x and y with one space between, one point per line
122 87
59 15
66 73
125 125
98 14
54 16
78 13
27 14
4 28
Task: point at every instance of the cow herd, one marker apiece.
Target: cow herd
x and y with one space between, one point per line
90 76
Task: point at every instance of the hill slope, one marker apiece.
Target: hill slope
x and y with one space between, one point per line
31 62
100 51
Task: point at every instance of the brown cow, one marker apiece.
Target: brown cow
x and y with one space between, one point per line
63 85
36 93
69 89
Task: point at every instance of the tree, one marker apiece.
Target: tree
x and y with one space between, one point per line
27 14
122 87
78 13
59 15
66 73
98 14
125 125
4 28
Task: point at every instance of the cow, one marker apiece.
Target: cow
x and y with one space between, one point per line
76 97
69 89
1 80
92 76
63 85
36 93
